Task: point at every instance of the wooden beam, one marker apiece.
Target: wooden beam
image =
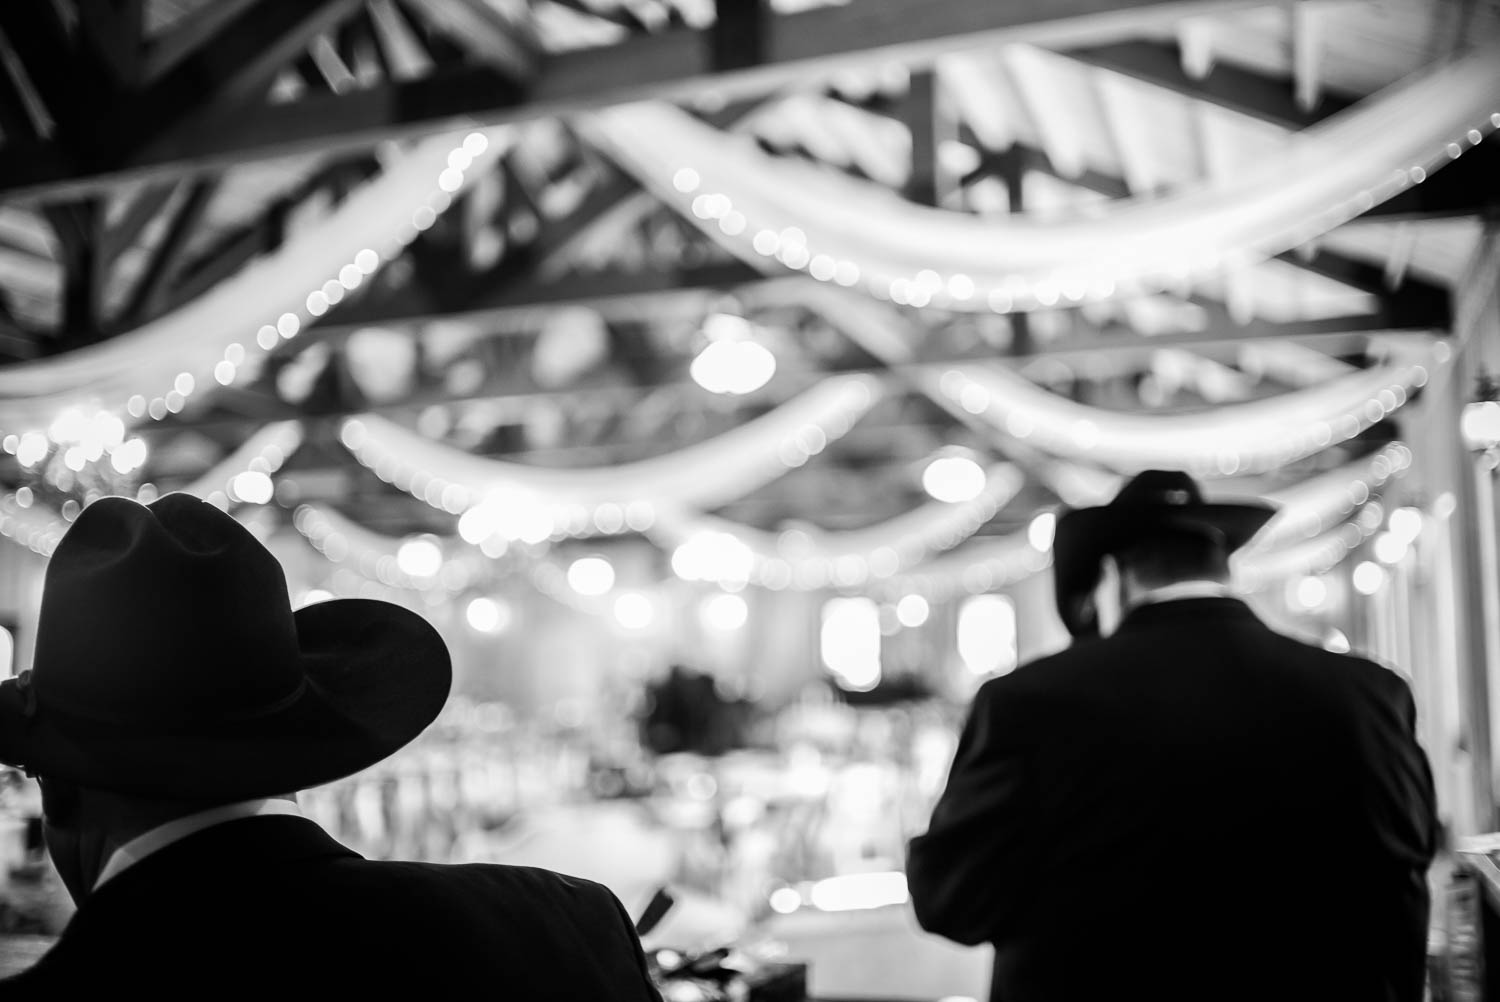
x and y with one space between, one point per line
189 35
184 280
1463 187
1415 301
234 66
113 30
483 32
923 118
519 298
674 64
739 33
258 403
144 207
1239 90
68 84
625 294
1307 53
76 225
167 257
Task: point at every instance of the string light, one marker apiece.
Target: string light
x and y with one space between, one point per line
553 503
709 548
186 384
1250 437
1256 569
1368 577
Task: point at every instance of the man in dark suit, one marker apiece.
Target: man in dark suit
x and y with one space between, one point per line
174 702
1190 807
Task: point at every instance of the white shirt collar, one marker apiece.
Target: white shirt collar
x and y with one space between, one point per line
176 830
1184 589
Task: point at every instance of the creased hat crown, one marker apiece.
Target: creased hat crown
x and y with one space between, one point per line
169 615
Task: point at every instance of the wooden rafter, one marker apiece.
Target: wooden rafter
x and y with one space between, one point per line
112 30
145 206
484 33
190 35
1243 91
672 64
233 66
166 258
686 289
925 121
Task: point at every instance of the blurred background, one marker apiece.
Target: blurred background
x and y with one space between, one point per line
711 375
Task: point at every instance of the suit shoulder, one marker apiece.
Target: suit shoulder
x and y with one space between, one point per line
518 883
1378 675
1033 680
1356 670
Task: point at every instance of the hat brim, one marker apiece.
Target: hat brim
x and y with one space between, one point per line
1085 536
377 675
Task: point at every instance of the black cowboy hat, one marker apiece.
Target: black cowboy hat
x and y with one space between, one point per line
1153 502
169 663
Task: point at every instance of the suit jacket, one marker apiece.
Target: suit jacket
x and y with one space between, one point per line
1194 808
269 906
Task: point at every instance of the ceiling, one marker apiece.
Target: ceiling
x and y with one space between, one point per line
153 148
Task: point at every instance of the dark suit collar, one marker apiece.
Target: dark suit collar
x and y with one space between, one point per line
145 899
1185 609
244 844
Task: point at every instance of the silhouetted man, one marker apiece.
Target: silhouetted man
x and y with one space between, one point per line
1190 807
175 704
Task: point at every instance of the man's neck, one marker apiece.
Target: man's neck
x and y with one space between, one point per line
163 835
1177 590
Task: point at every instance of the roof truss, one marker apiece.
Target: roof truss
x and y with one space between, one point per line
679 63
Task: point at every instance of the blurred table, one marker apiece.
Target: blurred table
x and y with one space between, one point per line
880 954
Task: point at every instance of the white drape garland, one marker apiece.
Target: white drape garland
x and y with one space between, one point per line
1316 505
699 476
152 370
854 233
1256 569
984 564
1228 440
374 555
709 548
367 565
1231 439
39 527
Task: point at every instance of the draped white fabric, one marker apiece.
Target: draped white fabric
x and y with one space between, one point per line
982 565
856 233
375 555
193 338
704 475
1228 440
1317 504
1255 569
809 554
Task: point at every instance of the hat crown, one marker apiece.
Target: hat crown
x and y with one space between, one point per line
165 618
1161 488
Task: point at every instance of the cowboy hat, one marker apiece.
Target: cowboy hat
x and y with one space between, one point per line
169 663
1151 503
